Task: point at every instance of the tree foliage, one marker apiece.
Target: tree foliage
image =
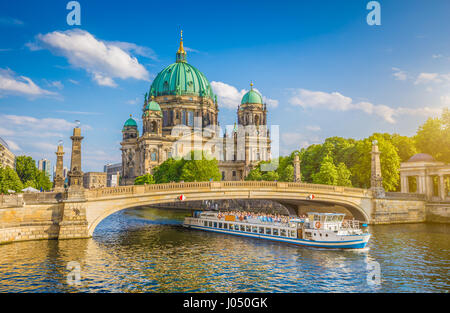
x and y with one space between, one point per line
283 172
9 180
30 175
188 169
146 179
433 137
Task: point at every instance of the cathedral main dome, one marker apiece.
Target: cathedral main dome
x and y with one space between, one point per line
181 78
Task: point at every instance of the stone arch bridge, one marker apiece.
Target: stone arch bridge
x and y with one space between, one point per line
76 212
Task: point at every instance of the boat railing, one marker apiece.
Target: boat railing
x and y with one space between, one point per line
351 224
253 221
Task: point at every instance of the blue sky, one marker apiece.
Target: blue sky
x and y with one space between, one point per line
322 69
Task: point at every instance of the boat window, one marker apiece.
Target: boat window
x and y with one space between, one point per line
261 230
254 229
236 227
283 232
326 235
215 224
206 223
242 228
225 225
210 224
268 231
220 225
275 231
292 233
247 228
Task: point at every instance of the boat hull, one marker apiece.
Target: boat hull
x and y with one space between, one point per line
353 242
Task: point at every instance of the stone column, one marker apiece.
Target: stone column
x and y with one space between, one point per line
442 187
376 179
429 186
75 174
404 183
297 174
59 174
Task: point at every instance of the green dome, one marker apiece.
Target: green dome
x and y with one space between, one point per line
153 106
130 123
181 78
252 97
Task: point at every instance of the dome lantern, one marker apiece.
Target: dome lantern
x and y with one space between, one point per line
181 54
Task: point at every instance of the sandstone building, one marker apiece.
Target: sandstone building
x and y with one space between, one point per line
180 114
7 158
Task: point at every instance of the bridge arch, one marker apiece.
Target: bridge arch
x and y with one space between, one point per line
106 201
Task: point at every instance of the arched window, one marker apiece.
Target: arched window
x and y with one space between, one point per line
154 127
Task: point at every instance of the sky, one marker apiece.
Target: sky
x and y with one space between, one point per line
322 69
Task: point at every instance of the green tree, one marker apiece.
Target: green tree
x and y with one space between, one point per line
43 181
9 180
146 179
270 176
406 146
29 174
327 174
343 175
254 174
26 168
168 171
389 159
200 170
433 137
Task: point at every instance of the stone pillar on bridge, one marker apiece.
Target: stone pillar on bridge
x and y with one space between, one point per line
59 174
297 174
73 223
376 178
75 174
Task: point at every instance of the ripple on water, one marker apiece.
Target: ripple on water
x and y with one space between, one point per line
142 251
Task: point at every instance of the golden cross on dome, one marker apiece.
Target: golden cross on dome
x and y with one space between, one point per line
251 85
181 49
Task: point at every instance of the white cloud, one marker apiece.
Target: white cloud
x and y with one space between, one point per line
445 100
11 21
133 101
427 78
314 128
13 84
399 74
103 60
437 56
138 50
335 101
75 82
14 146
230 97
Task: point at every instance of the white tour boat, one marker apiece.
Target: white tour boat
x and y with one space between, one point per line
323 230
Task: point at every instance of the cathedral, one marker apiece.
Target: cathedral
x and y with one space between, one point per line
180 114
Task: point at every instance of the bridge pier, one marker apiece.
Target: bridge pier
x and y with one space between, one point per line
73 223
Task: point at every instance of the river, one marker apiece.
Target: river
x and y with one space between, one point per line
147 250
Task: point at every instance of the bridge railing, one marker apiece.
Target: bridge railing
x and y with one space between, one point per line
405 196
186 186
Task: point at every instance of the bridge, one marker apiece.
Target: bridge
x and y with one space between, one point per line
76 212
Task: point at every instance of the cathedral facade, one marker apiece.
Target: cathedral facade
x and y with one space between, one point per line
180 114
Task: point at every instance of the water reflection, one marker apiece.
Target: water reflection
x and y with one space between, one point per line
148 251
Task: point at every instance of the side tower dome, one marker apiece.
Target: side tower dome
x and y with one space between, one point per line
252 111
152 118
